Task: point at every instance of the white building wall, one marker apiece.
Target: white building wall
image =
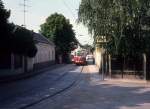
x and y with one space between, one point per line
30 63
44 53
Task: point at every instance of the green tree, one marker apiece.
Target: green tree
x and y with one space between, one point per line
117 20
88 47
4 31
4 14
14 40
22 42
59 30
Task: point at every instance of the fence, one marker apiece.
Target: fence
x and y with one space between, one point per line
127 67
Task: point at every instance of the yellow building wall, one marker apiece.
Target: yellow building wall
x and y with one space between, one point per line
97 55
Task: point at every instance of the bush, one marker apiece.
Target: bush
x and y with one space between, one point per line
23 42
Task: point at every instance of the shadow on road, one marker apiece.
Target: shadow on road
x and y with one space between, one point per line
88 93
92 93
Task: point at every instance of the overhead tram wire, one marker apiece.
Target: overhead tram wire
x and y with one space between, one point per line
69 9
73 15
70 3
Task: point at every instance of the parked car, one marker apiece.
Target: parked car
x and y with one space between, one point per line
90 59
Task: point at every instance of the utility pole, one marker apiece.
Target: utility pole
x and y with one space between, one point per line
24 5
24 11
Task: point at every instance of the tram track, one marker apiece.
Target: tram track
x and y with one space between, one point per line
75 82
36 87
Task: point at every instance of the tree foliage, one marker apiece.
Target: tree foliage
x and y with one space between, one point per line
88 47
125 23
4 31
58 29
22 42
4 14
14 40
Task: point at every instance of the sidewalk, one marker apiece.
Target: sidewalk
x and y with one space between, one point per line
8 79
96 76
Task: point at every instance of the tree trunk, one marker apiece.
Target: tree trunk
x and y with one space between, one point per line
102 65
144 66
110 65
124 62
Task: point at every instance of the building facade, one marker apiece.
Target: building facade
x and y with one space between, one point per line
12 64
46 52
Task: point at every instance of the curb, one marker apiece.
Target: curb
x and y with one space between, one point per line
128 81
138 81
26 75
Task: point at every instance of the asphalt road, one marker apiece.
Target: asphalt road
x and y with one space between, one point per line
76 90
25 93
92 93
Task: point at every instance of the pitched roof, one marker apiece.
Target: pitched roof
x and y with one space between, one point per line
39 38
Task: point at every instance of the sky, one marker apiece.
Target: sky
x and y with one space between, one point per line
39 10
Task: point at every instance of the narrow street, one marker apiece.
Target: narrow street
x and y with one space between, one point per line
75 54
90 92
23 93
73 87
